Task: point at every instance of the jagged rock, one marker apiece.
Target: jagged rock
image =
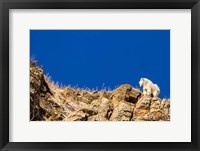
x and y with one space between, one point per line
81 114
123 111
151 109
142 108
155 110
165 107
68 91
104 110
44 104
133 95
90 97
126 93
92 118
36 80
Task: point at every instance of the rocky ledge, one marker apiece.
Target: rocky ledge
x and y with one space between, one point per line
49 102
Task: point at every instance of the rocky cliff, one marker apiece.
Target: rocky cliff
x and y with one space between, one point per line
49 102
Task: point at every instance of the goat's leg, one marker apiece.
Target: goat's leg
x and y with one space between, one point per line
149 92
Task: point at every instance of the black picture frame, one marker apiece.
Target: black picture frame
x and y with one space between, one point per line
5 5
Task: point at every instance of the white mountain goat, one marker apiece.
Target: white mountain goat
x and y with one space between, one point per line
149 88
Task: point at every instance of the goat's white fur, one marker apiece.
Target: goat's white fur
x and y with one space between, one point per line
149 88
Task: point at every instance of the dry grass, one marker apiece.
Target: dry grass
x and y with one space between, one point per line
33 62
56 85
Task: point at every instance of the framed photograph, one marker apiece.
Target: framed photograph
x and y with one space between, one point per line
99 75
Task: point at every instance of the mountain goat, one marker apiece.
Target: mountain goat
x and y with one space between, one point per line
149 88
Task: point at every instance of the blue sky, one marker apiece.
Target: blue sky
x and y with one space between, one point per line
92 58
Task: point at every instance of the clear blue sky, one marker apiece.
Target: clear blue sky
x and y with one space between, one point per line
91 58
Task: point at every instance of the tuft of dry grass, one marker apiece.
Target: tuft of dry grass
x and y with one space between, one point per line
51 83
56 85
33 62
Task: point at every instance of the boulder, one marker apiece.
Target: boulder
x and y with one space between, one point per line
123 111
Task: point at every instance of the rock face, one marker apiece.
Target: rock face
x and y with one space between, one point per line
48 102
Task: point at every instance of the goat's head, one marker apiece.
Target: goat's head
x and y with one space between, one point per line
141 81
